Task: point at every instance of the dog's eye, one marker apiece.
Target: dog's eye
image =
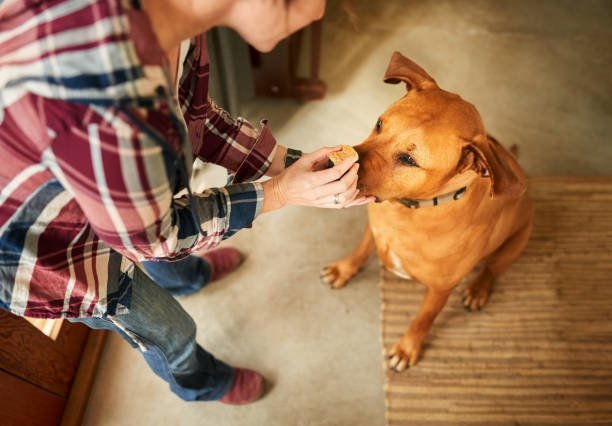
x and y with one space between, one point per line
378 125
406 160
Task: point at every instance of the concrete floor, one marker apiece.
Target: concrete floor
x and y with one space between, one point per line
539 73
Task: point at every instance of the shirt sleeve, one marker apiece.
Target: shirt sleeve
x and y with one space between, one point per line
123 176
233 143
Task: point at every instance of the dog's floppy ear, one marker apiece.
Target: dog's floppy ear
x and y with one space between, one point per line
488 158
403 69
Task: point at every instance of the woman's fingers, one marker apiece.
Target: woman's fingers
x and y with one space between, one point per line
360 201
334 173
319 155
343 196
352 201
346 184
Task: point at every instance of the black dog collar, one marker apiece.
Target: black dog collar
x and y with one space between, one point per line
436 201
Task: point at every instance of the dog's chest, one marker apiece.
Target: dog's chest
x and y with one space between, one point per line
410 250
388 253
394 264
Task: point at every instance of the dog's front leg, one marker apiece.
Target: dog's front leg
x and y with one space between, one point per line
338 273
407 350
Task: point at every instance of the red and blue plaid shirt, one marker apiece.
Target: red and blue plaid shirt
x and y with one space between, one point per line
94 146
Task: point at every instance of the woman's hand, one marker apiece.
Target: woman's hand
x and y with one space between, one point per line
308 183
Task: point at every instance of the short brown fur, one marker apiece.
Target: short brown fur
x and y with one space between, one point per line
440 245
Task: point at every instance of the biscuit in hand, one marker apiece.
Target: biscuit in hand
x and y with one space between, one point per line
337 157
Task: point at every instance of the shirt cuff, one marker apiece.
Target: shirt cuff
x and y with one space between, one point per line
259 158
245 202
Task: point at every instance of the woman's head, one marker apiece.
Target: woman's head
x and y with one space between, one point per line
263 23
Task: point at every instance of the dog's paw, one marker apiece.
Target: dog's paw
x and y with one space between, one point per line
476 295
405 353
338 274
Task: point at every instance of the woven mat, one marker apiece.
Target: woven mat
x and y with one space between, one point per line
540 352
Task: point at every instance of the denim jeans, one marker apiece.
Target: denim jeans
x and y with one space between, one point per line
181 277
165 333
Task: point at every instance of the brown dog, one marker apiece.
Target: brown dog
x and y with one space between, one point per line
450 197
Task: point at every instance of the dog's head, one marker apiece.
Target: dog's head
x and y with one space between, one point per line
430 142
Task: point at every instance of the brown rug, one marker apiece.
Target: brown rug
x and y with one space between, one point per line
540 352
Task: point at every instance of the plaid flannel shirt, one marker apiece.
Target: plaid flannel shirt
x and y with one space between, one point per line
94 147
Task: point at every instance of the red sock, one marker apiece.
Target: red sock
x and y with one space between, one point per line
248 387
222 261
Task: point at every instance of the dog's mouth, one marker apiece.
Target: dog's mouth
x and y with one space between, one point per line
367 187
364 193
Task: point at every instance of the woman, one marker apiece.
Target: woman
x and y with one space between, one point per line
102 107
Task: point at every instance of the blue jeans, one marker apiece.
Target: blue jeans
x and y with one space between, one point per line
164 333
181 277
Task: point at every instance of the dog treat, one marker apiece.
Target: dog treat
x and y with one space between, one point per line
337 157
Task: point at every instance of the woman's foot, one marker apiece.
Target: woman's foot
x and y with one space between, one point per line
222 261
248 386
